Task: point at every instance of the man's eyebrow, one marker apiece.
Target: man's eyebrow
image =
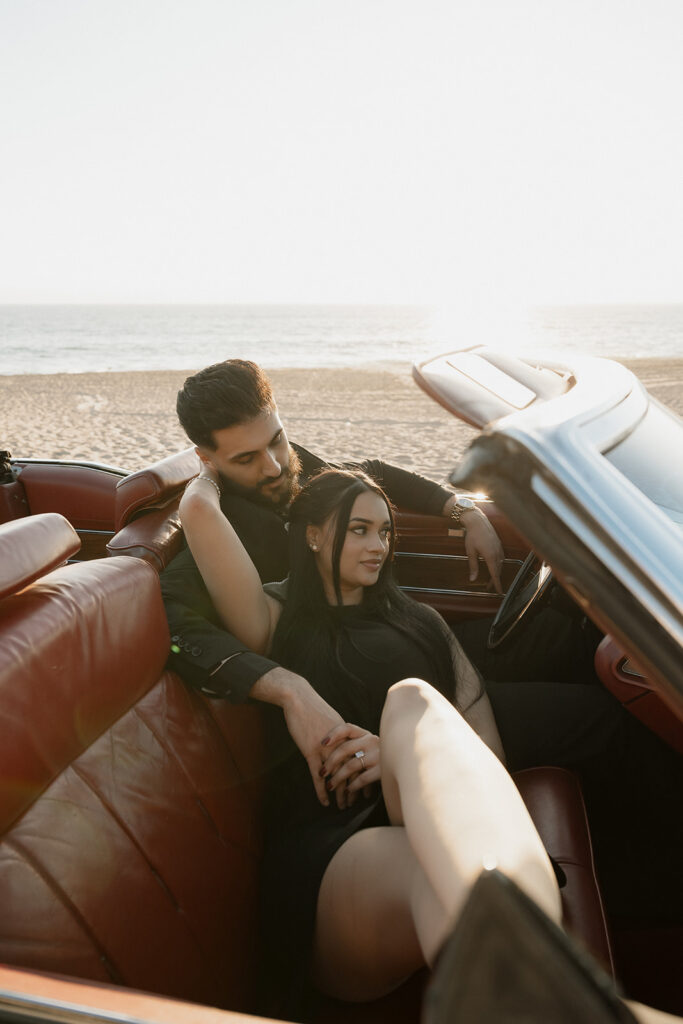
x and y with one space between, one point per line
241 455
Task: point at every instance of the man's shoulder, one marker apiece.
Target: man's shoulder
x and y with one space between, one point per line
311 463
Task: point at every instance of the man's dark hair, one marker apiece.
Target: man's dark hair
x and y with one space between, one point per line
220 396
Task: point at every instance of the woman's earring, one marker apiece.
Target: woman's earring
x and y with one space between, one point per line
314 547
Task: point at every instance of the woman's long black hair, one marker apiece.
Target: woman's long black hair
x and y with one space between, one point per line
309 620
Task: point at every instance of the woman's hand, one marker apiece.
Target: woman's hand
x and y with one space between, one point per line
351 762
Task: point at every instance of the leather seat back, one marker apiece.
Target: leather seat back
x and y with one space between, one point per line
130 833
146 513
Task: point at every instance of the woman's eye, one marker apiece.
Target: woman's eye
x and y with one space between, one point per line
358 530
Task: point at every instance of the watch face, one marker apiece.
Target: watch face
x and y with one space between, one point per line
464 503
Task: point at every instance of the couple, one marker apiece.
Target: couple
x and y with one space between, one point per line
376 660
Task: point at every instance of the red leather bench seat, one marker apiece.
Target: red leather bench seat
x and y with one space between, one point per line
129 844
130 807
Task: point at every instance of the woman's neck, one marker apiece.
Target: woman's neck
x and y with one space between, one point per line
349 595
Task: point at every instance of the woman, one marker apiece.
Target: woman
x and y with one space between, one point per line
341 622
367 890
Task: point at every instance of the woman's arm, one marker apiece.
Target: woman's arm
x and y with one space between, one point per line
227 570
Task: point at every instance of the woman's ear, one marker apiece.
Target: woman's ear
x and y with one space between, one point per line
313 537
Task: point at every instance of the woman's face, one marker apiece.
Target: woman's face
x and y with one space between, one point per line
366 546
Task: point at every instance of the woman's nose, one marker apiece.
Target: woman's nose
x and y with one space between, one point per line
376 542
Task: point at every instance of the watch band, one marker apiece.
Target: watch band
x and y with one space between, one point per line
460 506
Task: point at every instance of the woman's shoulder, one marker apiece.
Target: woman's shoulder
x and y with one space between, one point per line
429 614
278 590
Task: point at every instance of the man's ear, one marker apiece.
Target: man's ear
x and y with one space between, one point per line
205 456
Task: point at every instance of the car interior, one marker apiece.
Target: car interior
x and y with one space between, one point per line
131 806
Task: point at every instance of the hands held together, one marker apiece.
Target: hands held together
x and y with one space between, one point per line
351 763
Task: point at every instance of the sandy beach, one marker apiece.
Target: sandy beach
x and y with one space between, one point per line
128 419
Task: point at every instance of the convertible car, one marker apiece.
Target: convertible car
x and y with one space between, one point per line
130 805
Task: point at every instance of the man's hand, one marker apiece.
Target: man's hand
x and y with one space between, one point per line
481 541
309 718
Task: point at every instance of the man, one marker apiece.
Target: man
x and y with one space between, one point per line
229 412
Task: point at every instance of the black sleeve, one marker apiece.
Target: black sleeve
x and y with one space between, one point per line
406 490
199 644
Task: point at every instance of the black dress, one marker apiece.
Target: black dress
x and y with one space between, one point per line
302 835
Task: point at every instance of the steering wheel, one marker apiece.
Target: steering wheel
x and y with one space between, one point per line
526 590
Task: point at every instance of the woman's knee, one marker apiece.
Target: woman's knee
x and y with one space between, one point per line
409 696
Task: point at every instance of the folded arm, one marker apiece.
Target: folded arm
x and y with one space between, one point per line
228 572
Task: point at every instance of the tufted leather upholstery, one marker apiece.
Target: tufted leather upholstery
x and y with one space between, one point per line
146 515
28 549
554 801
154 486
130 835
130 824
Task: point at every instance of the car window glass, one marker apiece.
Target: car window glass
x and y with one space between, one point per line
652 458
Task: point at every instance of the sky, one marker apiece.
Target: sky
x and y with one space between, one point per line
364 151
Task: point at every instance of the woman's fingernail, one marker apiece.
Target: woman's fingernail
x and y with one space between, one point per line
323 772
329 785
323 743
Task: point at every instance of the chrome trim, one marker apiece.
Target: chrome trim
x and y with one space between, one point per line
451 593
82 463
454 558
57 1010
628 669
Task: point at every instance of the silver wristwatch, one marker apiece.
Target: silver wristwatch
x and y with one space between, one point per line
461 505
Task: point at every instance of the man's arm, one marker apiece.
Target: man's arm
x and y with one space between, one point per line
209 659
481 541
415 492
308 717
206 656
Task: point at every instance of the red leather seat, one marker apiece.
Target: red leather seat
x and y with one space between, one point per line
146 513
130 807
129 826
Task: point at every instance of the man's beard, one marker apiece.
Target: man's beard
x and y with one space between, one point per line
281 497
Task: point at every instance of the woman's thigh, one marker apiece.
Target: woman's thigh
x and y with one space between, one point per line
366 941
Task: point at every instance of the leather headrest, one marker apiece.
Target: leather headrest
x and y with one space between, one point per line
154 486
31 547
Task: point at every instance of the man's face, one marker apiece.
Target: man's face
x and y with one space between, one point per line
254 459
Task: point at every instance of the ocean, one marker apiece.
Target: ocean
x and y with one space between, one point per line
73 339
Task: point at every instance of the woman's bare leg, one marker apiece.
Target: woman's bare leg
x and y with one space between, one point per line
366 942
461 810
390 896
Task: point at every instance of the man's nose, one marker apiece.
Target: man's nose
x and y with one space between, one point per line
271 467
